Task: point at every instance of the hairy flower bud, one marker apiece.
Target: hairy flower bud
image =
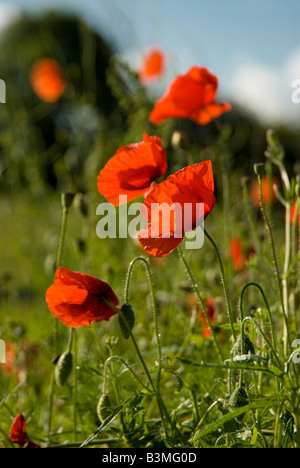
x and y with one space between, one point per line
237 347
126 320
104 408
63 368
238 398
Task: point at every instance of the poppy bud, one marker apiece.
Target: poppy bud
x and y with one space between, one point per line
126 320
104 408
238 398
63 368
259 169
67 199
237 347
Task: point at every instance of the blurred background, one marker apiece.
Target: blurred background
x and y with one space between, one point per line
253 48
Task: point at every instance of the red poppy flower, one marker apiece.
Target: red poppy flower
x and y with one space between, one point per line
152 65
268 191
175 207
191 96
236 252
47 78
132 170
76 298
293 214
18 434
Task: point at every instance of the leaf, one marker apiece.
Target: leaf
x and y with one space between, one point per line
228 417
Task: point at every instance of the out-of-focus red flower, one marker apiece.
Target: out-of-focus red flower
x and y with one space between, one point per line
236 252
77 299
10 356
190 96
293 215
18 434
152 65
268 191
193 306
48 80
132 170
177 200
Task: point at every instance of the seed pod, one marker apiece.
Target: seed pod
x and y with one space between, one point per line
126 320
104 408
63 368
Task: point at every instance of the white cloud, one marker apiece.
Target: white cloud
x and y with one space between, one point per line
266 91
7 14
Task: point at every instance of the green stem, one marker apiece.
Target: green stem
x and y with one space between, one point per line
269 344
229 309
267 307
163 412
118 358
55 331
285 270
73 339
200 300
277 273
154 308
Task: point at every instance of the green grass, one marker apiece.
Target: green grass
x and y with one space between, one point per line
195 384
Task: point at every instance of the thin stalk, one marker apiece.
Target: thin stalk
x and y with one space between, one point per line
55 330
277 273
287 254
164 414
267 341
195 287
75 383
118 358
267 307
226 294
154 308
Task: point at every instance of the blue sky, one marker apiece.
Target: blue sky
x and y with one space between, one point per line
253 46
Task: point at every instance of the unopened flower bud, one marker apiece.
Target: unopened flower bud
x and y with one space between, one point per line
104 408
237 347
259 169
63 368
126 320
238 398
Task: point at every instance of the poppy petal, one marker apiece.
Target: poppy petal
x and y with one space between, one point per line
132 170
77 299
174 207
190 96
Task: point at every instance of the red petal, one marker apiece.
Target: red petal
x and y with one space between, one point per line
132 170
